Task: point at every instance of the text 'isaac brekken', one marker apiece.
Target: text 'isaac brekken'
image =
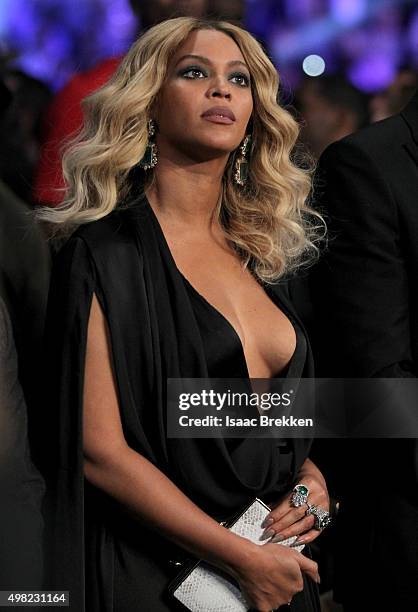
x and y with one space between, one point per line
228 421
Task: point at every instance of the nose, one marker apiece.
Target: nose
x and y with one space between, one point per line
220 88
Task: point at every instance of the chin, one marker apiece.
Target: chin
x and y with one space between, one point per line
205 149
220 145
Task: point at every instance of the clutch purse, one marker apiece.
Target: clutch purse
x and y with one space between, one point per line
203 587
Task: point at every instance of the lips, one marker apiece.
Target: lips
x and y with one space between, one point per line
219 114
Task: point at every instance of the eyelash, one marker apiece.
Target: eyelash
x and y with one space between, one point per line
234 75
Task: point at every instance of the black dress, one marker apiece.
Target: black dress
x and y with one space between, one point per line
159 327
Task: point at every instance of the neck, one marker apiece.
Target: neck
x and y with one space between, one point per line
187 194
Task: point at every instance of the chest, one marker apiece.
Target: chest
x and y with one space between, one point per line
266 334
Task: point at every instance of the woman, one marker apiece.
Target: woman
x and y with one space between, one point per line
164 277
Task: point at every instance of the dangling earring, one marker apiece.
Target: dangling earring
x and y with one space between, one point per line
241 163
150 158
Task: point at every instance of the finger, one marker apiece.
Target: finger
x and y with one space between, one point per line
292 516
307 538
278 511
298 528
309 567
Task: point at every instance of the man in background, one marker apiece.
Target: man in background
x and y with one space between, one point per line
365 293
24 272
396 96
330 108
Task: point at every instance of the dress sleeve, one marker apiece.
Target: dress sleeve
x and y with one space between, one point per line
60 451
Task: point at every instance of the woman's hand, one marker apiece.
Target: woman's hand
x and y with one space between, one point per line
285 521
271 575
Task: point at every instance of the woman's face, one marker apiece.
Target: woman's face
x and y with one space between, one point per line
206 102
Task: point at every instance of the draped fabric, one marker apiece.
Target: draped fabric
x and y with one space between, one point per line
154 334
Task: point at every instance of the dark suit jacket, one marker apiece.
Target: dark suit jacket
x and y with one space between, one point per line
24 279
365 294
21 486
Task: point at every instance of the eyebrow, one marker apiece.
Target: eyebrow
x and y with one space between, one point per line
206 60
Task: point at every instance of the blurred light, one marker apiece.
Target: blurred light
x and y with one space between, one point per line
313 65
348 12
372 72
413 37
4 11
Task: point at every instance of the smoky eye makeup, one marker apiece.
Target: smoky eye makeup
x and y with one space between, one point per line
243 76
183 71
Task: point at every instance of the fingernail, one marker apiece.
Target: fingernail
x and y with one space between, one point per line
267 521
277 538
298 541
267 534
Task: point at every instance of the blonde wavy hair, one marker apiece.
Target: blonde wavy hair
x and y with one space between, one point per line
268 222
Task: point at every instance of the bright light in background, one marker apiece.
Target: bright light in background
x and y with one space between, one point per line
313 65
348 12
4 7
372 72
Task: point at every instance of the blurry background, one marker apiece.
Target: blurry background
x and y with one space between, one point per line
365 40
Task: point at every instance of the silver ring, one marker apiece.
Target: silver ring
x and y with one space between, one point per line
322 517
299 496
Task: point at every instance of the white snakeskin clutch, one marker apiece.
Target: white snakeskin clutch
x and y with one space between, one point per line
204 588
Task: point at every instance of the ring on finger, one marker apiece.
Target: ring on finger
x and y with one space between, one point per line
322 517
299 496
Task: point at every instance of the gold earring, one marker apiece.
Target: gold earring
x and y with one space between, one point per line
150 157
241 163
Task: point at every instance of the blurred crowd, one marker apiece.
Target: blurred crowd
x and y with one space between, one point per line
34 126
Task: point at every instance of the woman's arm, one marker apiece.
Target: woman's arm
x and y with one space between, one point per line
127 476
111 465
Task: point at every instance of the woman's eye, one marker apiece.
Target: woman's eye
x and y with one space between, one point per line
193 73
242 79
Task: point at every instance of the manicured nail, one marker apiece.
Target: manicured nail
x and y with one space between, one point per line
267 534
277 538
298 541
267 521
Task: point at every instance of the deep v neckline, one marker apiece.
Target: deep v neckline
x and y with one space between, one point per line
273 297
